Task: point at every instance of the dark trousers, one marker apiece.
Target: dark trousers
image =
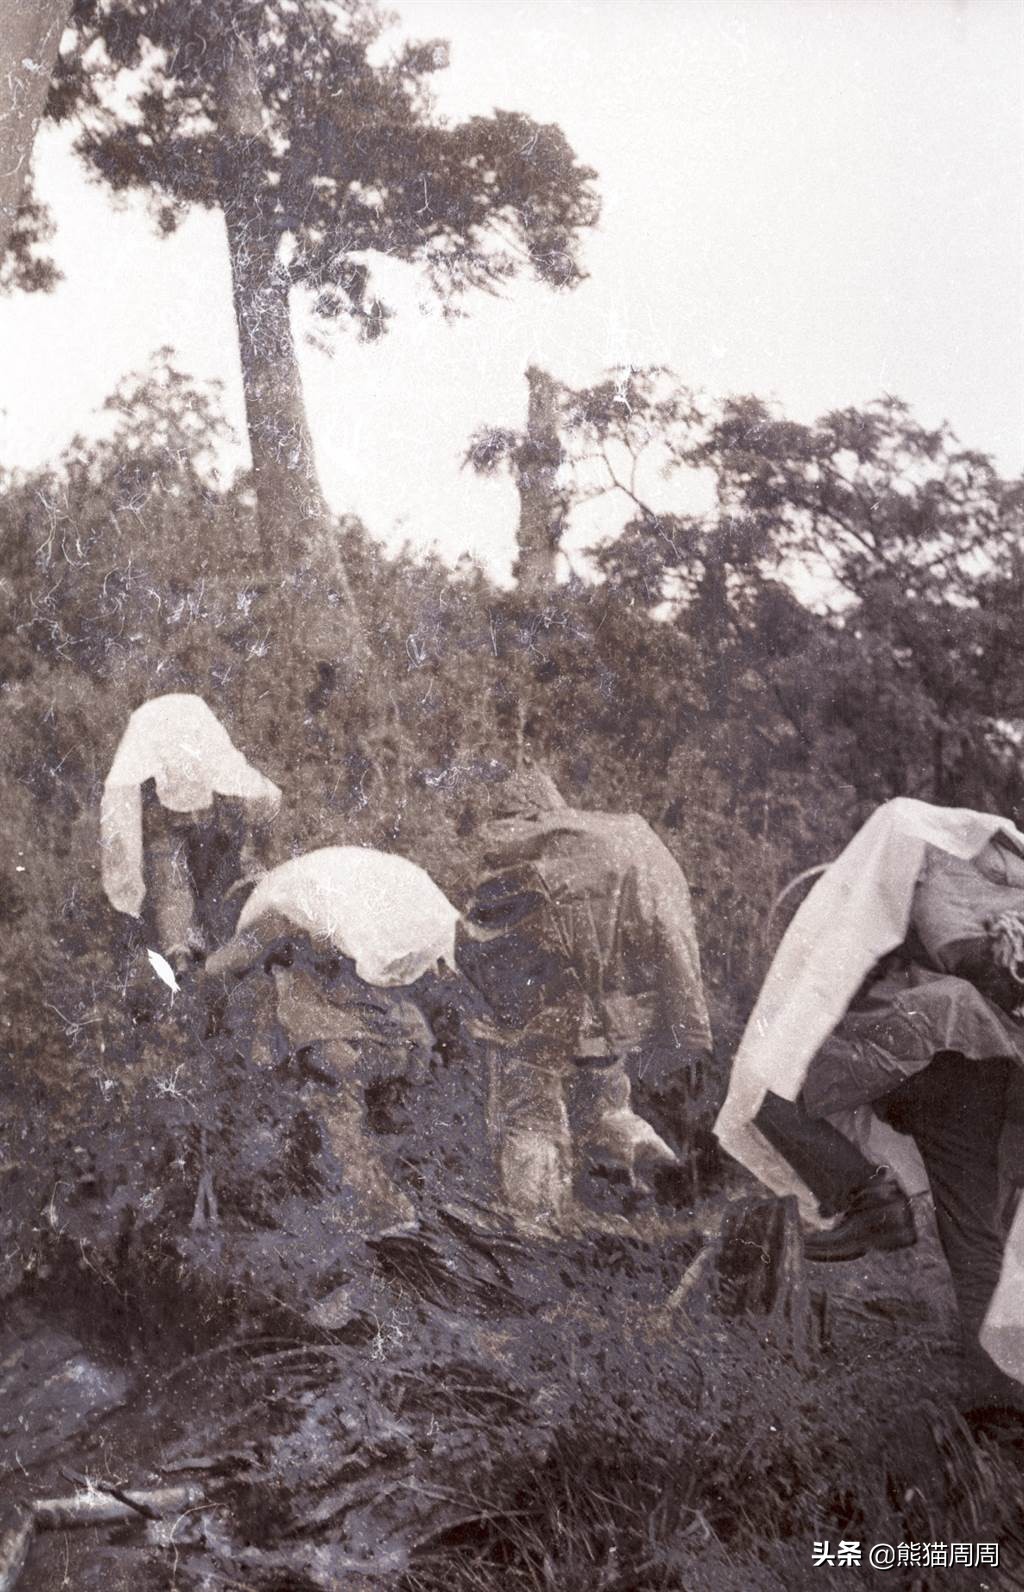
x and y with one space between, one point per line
192 861
954 1110
826 1160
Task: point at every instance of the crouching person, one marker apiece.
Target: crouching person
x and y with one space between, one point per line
327 946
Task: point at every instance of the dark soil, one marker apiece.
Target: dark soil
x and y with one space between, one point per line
456 1407
450 1406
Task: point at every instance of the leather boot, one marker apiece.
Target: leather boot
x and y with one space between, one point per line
878 1217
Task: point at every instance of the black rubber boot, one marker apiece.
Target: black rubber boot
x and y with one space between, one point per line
878 1217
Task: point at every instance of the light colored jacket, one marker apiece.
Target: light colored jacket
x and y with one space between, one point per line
624 904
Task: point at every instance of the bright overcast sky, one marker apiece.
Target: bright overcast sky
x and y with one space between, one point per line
814 200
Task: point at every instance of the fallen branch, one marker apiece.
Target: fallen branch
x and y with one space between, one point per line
119 1493
94 1507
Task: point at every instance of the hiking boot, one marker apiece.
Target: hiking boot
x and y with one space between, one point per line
878 1217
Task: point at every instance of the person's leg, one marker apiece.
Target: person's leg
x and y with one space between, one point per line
831 1165
214 845
368 1199
669 1085
171 902
531 1129
608 1133
955 1111
872 1209
332 1032
248 1016
665 1082
1011 1150
597 1087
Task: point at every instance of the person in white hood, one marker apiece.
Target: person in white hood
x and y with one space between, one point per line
897 997
335 938
179 819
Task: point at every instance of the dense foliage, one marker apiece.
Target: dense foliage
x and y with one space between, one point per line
834 625
754 718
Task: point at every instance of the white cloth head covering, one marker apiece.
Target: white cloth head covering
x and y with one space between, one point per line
382 911
858 911
178 742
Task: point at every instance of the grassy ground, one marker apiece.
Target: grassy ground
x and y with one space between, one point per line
487 1413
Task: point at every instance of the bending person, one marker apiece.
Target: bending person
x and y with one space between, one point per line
180 825
332 940
600 950
929 1042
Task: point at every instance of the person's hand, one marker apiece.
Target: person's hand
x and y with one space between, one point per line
234 957
250 877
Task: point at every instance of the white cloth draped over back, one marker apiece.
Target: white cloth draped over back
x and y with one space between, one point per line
382 911
857 912
178 742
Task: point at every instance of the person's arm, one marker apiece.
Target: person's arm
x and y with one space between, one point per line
246 947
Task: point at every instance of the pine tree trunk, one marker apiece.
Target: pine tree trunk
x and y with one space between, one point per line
30 33
712 624
294 528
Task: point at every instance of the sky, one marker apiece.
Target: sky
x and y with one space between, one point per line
818 201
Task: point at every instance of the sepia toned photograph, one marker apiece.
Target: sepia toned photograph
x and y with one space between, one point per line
512 773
